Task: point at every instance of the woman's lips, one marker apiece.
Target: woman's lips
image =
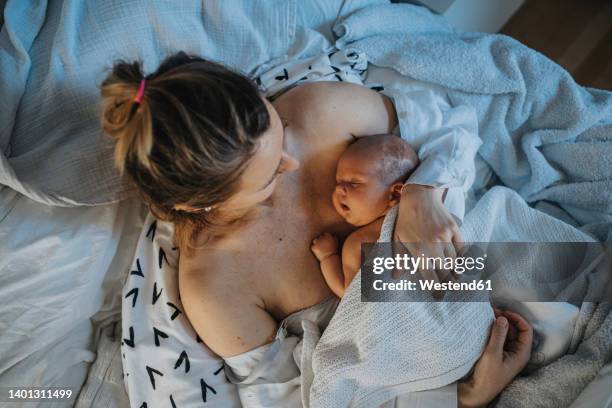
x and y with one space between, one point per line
344 207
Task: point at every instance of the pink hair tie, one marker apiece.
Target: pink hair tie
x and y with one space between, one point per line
140 93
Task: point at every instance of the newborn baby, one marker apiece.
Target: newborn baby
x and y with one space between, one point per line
369 180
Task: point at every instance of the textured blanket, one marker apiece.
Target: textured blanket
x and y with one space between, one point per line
359 362
372 352
560 382
543 135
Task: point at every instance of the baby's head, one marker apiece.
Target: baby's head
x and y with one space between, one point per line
370 176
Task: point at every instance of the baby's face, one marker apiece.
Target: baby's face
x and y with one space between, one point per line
359 196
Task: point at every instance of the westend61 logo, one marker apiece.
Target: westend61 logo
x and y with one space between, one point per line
510 271
410 264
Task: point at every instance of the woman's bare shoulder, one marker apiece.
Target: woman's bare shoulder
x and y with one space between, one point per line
357 107
315 95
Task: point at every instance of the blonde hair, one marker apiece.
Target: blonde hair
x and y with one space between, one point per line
187 143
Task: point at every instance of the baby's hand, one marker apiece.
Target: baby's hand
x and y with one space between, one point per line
324 245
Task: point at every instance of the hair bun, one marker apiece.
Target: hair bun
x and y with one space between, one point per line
132 134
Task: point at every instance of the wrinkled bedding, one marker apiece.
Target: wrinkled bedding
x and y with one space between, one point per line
544 136
61 274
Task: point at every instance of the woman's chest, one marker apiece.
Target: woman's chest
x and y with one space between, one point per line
275 247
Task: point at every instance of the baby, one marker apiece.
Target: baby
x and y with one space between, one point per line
369 180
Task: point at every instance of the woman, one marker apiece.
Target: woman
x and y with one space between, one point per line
207 151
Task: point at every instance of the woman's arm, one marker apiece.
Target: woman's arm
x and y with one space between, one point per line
229 320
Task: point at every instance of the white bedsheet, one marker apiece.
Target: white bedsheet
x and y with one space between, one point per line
61 274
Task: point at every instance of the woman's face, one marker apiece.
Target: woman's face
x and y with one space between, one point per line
270 160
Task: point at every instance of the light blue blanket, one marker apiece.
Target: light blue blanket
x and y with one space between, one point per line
543 135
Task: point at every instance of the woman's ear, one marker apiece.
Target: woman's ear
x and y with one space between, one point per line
395 193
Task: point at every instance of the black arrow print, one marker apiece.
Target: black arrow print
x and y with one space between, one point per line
205 387
138 270
183 357
336 69
162 256
283 77
378 88
135 293
338 77
130 341
224 373
156 294
152 371
172 401
157 334
176 312
144 405
152 230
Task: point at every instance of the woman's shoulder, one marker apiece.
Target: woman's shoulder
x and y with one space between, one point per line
316 94
355 106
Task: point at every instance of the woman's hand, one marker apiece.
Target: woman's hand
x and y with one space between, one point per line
504 357
425 226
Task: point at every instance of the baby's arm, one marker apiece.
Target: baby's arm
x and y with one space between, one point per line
351 257
338 273
325 248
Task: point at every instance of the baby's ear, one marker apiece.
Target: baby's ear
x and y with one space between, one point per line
395 193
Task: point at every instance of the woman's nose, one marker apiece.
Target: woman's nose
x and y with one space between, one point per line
290 163
341 188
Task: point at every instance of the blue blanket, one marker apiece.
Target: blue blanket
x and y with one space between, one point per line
543 135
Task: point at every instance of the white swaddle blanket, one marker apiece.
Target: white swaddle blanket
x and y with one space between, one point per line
372 352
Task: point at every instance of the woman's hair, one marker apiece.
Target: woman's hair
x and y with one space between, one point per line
189 140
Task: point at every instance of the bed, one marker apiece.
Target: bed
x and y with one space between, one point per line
72 231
